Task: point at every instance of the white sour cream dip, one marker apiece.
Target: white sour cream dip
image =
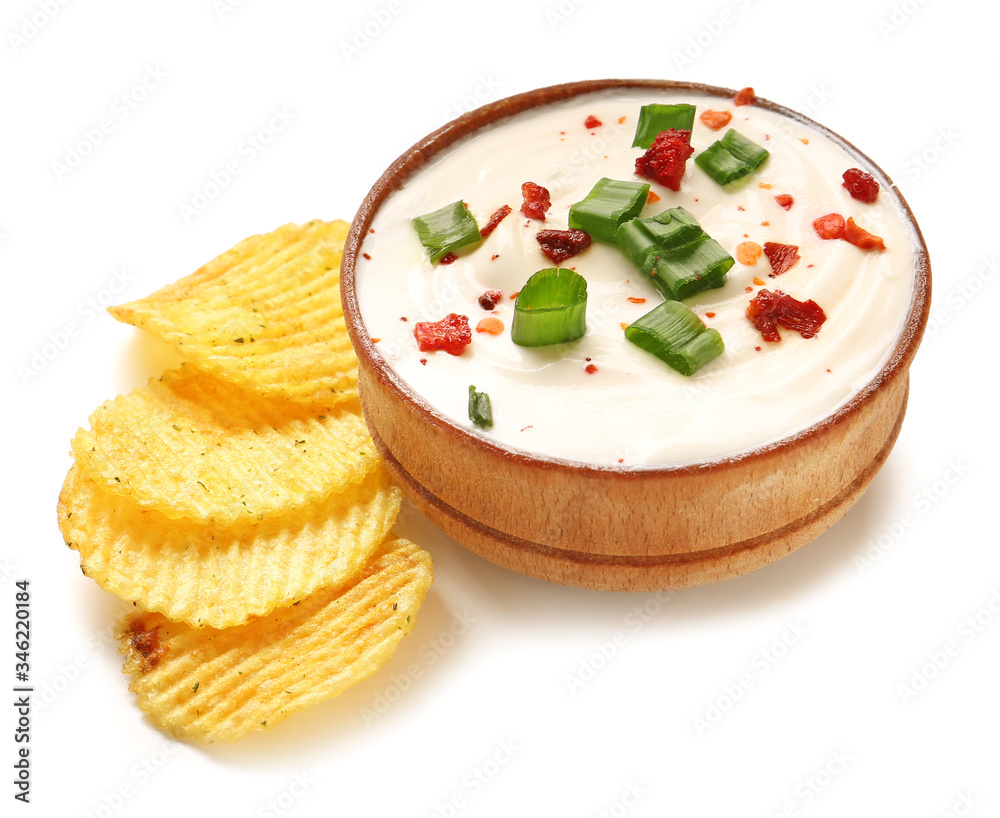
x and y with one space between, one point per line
634 410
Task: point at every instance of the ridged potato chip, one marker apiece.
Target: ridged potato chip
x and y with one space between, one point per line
220 576
217 685
190 445
265 315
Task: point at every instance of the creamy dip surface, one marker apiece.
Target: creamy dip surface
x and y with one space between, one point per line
633 410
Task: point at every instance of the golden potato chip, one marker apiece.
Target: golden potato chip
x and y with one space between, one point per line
265 315
220 576
217 685
190 445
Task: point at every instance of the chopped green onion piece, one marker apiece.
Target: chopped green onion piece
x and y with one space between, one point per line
609 203
657 117
645 240
674 227
672 248
551 308
638 243
677 336
698 265
731 158
446 229
480 408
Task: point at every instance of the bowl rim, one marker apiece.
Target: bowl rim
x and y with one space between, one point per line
416 157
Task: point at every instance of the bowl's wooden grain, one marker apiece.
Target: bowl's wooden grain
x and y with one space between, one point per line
624 528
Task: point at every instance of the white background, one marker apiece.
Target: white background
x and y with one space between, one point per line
793 688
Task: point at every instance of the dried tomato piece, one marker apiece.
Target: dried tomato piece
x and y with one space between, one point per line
452 334
536 201
501 213
860 237
830 226
761 314
592 122
804 317
666 158
781 256
862 186
784 201
745 96
488 300
716 119
559 245
767 310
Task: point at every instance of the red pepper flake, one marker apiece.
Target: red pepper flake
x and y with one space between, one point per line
781 256
365 255
634 300
767 310
666 158
529 426
559 245
494 257
862 186
371 229
623 325
765 224
491 326
745 96
403 318
451 334
501 213
448 258
536 201
803 140
653 197
423 361
592 122
512 296
830 226
621 120
784 200
759 282
590 369
488 300
764 186
621 459
376 340
710 315
757 348
860 237
748 289
716 119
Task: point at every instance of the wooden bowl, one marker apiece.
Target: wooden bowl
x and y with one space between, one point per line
619 528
